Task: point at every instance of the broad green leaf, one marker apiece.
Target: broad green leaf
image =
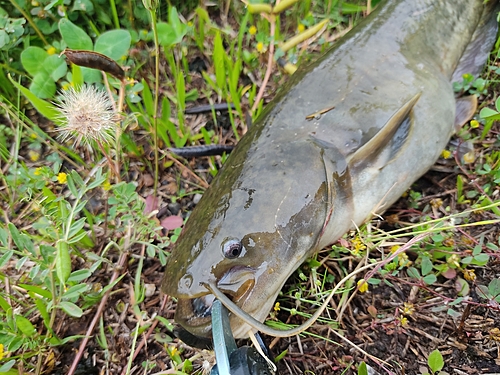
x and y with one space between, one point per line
435 361
44 108
43 86
166 34
114 44
74 36
71 309
218 56
63 261
33 59
56 67
24 325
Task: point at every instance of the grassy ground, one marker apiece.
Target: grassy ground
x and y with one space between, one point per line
89 217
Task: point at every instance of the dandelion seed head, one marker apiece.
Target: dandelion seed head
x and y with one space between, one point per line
87 115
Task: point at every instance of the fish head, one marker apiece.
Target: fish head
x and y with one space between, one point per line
252 228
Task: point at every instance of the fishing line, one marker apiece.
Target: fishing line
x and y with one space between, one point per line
254 323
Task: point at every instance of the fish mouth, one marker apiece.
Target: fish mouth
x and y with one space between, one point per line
194 315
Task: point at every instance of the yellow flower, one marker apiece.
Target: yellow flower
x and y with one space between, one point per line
1 351
469 157
446 154
252 30
51 51
474 124
38 171
403 260
362 285
408 308
469 275
33 155
436 202
357 245
453 260
277 306
106 185
403 321
394 248
260 47
62 178
300 28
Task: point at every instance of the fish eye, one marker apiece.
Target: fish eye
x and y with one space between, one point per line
231 248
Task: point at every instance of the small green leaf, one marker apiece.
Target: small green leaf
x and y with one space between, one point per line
24 325
74 36
435 361
481 259
6 257
75 291
63 261
4 305
494 287
6 368
71 309
362 370
430 279
426 265
79 275
413 272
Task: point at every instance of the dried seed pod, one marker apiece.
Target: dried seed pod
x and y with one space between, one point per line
95 60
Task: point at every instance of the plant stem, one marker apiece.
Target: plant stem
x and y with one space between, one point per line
116 20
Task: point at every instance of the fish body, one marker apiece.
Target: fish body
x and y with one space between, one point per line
295 183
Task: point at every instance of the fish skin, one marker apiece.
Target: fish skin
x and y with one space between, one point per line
293 186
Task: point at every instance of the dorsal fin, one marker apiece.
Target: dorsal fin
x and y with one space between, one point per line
374 147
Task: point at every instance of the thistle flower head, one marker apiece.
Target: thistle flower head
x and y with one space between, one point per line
86 115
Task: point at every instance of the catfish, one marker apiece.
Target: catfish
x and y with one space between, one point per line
342 141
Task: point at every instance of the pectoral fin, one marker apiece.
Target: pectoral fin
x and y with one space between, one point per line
384 146
466 106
